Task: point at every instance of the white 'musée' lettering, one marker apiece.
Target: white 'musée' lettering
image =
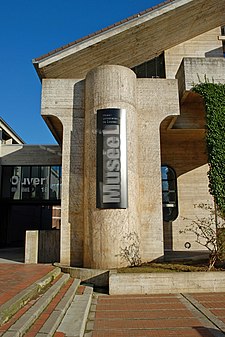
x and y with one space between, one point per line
111 193
112 178
111 175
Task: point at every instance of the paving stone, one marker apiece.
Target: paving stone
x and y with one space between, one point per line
153 316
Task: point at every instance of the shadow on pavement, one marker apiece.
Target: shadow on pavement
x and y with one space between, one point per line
209 332
12 255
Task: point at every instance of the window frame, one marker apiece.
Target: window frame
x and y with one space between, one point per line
170 206
153 68
6 193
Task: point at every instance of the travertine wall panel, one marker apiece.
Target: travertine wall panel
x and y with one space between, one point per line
65 100
157 99
204 45
192 190
196 70
184 149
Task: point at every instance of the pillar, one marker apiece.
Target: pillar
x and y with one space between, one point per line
110 233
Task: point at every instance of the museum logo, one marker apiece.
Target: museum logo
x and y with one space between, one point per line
111 159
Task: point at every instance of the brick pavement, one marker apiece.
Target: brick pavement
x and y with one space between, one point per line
151 315
215 303
17 277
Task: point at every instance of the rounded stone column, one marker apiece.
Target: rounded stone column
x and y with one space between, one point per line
110 233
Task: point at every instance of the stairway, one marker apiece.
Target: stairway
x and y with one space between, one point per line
60 309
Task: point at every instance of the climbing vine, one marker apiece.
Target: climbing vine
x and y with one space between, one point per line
214 98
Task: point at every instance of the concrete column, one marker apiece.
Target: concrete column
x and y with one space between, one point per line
63 103
108 233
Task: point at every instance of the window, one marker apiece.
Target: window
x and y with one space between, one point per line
169 193
24 183
154 68
55 182
223 34
31 183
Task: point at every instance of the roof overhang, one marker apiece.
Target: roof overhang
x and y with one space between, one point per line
135 41
11 134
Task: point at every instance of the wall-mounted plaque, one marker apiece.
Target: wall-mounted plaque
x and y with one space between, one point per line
111 159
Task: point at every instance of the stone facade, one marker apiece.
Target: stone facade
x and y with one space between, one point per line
97 237
165 126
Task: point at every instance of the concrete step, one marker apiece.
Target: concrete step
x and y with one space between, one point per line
54 316
20 327
62 310
11 307
74 322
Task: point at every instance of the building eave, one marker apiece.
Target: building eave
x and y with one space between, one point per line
10 132
136 40
101 34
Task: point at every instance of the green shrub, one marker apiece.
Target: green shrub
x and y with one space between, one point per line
214 98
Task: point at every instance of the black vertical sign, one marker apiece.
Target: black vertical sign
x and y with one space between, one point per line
111 159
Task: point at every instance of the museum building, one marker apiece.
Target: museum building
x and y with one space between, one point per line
131 161
30 187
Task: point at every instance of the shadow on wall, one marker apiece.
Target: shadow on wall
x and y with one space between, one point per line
218 52
182 256
76 177
183 145
208 332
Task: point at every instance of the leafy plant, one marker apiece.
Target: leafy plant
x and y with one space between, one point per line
210 233
214 98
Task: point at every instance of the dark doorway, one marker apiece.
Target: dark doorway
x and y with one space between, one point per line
15 219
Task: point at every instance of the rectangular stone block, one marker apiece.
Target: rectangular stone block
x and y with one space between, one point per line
31 247
161 283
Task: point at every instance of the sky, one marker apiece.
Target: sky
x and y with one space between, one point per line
30 29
